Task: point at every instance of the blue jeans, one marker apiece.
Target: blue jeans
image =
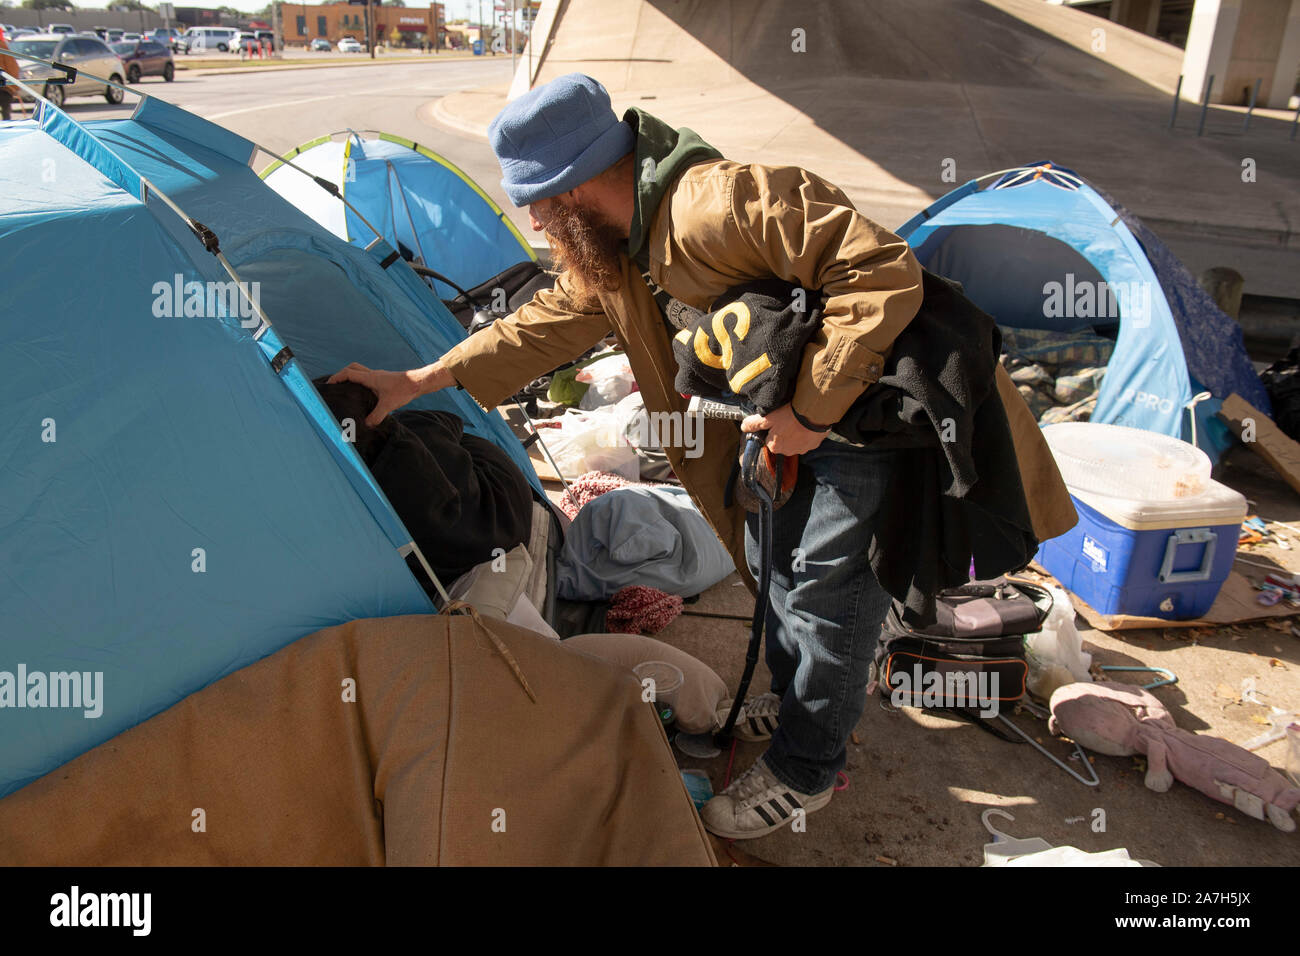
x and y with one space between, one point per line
826 608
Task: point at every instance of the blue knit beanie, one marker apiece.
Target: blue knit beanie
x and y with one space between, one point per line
556 137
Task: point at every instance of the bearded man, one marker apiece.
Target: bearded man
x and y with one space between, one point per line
632 208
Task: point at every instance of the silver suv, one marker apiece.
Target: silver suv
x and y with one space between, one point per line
84 53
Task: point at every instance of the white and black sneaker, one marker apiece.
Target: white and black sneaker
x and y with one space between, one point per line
758 718
757 804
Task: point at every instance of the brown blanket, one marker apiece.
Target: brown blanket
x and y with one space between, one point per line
443 758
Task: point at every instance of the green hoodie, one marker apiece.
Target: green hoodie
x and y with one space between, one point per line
661 154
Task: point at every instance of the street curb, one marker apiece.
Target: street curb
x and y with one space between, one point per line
277 68
444 117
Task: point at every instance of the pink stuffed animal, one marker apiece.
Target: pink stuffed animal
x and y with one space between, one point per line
1120 719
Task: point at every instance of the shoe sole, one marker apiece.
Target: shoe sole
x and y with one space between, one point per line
814 804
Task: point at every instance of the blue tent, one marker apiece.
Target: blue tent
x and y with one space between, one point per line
1038 248
176 501
420 202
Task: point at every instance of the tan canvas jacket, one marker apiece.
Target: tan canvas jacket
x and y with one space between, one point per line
719 224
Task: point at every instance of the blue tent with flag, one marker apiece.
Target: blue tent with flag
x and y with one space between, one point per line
422 204
176 501
1039 248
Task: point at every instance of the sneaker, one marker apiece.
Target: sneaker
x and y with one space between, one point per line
757 804
757 720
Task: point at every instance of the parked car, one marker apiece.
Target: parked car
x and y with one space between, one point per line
169 37
201 39
89 55
131 36
22 32
114 35
60 28
321 45
145 58
8 28
349 45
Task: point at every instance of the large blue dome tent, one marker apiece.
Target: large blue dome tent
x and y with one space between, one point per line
420 202
176 501
1039 248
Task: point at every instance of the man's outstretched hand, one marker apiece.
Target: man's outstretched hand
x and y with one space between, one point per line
785 436
394 389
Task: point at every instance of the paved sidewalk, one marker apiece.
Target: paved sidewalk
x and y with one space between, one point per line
926 86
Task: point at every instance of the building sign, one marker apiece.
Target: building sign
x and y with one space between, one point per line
418 24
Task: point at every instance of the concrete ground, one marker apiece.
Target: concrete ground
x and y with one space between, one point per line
918 783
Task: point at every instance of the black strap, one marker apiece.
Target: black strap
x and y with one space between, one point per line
281 359
390 259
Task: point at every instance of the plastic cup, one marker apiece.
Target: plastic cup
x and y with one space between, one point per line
667 681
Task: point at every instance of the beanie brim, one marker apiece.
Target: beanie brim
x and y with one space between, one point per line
603 152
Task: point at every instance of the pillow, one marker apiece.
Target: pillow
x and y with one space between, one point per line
702 689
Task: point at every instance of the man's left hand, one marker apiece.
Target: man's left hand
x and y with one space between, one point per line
785 436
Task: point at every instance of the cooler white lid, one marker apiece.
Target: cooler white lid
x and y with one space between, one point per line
1217 505
1124 462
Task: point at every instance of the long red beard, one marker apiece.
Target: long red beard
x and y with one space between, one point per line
587 247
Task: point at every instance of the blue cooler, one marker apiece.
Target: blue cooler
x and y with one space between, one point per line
1148 558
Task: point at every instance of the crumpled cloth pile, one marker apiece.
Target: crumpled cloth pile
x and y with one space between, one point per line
592 485
1057 374
638 609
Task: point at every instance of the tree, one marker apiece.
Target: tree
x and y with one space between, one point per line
131 6
48 5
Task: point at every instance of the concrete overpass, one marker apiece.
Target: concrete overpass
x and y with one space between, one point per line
897 101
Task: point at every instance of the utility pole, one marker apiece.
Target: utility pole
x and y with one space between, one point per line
370 29
277 40
511 33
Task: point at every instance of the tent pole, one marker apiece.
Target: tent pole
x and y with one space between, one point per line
536 434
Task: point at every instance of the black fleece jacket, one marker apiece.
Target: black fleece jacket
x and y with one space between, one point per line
954 492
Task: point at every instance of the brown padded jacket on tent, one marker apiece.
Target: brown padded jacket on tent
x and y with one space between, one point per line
441 742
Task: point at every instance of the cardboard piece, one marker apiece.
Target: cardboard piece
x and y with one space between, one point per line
1235 604
1270 442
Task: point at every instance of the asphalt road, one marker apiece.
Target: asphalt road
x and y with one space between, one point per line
283 109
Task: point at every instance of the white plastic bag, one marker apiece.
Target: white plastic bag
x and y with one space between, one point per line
609 379
1055 654
592 441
